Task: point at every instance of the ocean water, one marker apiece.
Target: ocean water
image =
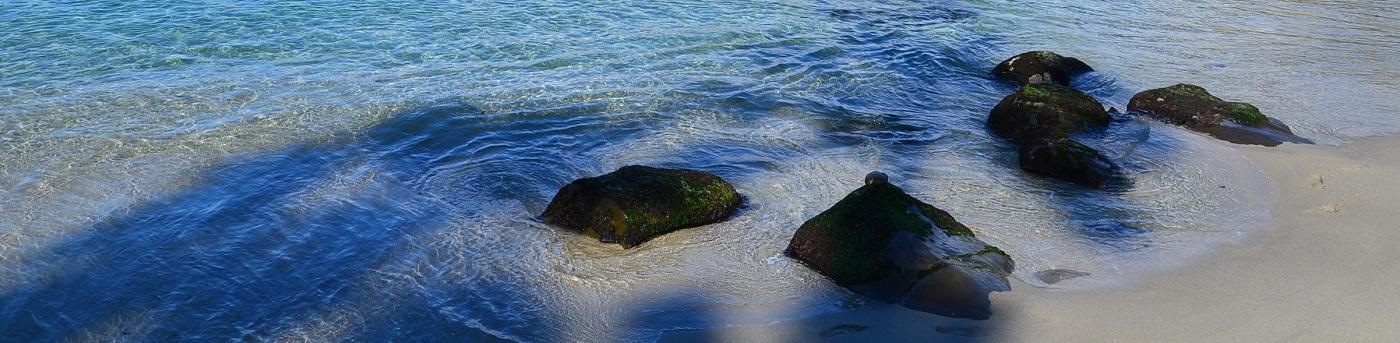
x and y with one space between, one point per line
373 170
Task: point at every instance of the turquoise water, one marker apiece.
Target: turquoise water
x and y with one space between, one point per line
373 170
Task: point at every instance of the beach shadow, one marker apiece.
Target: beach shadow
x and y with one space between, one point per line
682 310
421 320
687 315
276 256
259 243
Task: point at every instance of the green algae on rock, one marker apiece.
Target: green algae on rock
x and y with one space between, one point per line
885 244
1043 112
636 203
1037 67
1071 161
1195 108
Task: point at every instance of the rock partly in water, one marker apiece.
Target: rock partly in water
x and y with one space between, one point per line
1042 113
884 244
1038 67
1071 161
636 203
1194 108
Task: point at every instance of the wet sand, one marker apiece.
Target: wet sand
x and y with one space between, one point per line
1326 270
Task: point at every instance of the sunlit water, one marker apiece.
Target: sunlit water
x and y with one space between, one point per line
366 170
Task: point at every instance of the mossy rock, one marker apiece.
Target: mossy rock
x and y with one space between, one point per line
1043 113
1037 67
1195 108
636 203
885 244
1071 161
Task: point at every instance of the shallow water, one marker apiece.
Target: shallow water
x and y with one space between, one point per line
373 170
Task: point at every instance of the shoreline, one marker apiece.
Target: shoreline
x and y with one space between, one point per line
1321 271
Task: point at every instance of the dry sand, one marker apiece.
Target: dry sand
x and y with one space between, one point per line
1328 270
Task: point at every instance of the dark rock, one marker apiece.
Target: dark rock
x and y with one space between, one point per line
1038 67
876 177
636 203
1055 276
884 244
1192 106
1041 113
1196 109
1071 161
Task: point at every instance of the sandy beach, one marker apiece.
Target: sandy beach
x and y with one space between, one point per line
1325 271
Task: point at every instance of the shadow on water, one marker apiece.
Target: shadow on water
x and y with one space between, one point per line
420 320
677 310
690 315
232 254
264 240
705 323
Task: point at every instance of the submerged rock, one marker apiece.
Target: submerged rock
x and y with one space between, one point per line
1195 108
636 203
1041 113
1071 161
1055 276
884 244
1038 67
